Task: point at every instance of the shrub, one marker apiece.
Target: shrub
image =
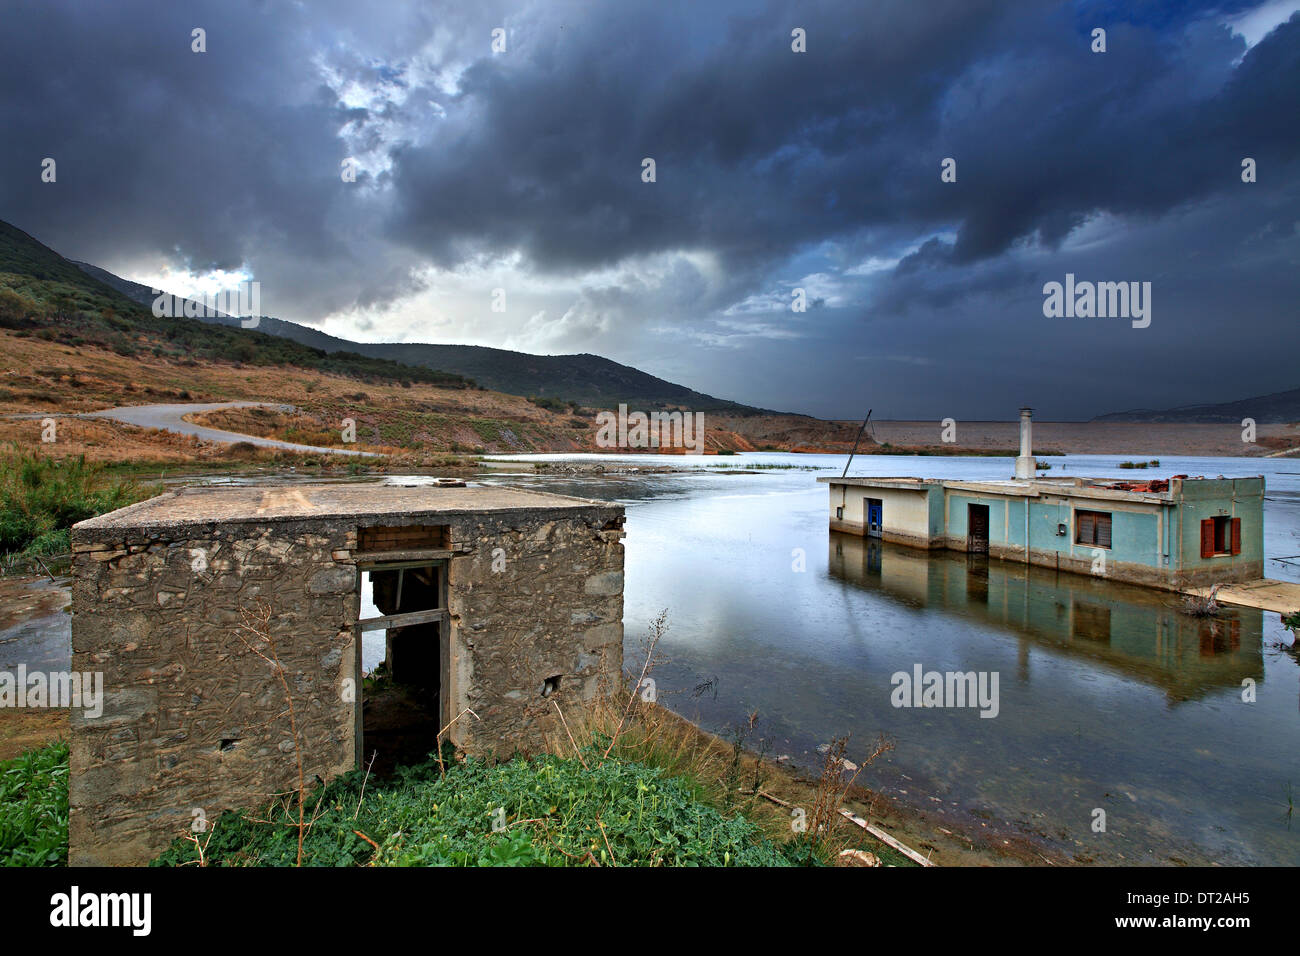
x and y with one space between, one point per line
42 498
241 449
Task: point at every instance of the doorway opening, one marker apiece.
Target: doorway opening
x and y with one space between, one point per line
401 700
874 508
977 529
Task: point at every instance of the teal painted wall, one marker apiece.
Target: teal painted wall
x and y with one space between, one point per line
1135 536
1232 497
1165 537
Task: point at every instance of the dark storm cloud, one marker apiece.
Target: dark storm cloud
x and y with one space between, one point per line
777 165
159 147
209 159
760 151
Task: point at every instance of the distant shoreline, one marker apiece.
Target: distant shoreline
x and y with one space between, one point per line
1092 438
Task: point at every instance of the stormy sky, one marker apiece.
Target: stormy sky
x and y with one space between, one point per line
522 170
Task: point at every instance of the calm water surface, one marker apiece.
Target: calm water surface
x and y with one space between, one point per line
1109 696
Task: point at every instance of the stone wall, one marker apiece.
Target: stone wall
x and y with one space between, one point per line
194 721
555 610
191 716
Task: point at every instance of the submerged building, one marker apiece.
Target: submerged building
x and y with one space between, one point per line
214 613
1176 533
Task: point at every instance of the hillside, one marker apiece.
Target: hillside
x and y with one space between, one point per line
77 339
1273 409
583 379
45 295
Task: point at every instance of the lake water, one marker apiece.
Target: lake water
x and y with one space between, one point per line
1110 697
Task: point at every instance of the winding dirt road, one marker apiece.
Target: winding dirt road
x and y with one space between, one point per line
172 418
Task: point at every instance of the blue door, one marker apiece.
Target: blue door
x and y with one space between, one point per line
875 508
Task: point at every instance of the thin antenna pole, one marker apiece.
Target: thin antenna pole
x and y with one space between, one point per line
855 443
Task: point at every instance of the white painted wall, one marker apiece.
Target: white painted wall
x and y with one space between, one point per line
903 511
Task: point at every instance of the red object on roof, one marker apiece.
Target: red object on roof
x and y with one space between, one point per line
1146 487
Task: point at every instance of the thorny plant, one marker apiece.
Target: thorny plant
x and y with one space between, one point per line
1203 605
834 784
740 735
202 847
658 627
605 721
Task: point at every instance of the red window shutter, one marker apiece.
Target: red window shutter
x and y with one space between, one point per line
1236 536
1103 530
1207 538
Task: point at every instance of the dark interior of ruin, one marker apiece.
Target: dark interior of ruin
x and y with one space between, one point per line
401 702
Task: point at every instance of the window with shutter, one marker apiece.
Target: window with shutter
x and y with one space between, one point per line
1092 528
1220 535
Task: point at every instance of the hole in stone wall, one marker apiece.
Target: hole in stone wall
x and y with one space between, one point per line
551 685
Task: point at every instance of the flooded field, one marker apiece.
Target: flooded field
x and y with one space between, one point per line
1110 697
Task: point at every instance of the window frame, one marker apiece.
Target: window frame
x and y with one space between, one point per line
1095 517
386 621
1216 528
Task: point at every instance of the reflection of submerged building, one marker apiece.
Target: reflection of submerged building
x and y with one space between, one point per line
1171 534
1124 628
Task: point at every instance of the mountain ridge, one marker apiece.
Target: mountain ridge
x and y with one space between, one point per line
1274 408
581 377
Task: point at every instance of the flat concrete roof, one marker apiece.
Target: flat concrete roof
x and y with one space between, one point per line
362 502
1092 488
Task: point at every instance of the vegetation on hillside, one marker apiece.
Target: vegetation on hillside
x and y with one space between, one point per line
45 295
77 317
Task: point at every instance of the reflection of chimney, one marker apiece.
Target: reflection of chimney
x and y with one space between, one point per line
1026 467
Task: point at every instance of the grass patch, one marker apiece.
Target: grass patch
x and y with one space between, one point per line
34 808
543 811
42 498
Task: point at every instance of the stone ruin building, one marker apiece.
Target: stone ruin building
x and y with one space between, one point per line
491 599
